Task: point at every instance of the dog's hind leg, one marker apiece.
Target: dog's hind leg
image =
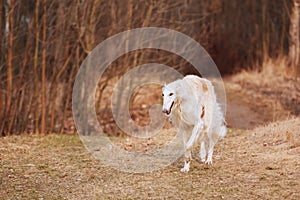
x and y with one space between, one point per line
210 151
202 152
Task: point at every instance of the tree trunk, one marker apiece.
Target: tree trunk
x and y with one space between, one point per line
35 70
2 107
1 28
43 96
294 47
10 59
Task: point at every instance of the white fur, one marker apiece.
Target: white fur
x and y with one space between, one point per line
191 105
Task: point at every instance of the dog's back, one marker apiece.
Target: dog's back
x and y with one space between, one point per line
211 110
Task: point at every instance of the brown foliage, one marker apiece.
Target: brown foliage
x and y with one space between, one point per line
44 42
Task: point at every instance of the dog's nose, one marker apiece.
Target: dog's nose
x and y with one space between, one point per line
164 110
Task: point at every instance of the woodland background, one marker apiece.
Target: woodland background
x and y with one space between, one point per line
43 44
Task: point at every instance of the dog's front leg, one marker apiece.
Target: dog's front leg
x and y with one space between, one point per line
187 154
187 161
188 148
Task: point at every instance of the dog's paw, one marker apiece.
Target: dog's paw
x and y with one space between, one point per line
202 160
208 161
185 169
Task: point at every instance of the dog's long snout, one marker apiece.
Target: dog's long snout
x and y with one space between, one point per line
164 110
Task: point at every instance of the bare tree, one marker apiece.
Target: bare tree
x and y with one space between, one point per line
12 5
294 47
43 44
43 91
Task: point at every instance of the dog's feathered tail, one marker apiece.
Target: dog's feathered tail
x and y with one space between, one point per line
222 131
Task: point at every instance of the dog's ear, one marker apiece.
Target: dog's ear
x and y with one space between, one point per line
179 90
182 91
163 87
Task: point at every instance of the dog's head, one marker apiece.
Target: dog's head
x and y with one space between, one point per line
169 97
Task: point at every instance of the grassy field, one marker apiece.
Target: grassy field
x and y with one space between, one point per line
247 165
250 163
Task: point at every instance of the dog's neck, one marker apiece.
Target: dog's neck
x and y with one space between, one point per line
176 109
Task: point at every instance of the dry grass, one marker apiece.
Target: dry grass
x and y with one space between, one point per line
256 97
248 164
285 135
272 85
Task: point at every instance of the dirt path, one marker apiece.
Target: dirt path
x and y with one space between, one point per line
246 110
239 113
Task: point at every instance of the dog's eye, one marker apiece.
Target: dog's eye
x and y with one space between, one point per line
162 95
171 94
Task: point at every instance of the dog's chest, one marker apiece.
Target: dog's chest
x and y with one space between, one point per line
177 118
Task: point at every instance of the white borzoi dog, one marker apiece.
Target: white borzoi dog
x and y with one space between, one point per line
191 105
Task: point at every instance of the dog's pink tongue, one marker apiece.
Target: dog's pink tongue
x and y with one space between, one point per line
168 112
